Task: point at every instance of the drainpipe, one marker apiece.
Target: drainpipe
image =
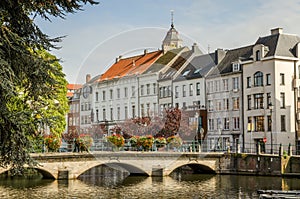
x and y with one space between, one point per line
296 105
138 96
243 110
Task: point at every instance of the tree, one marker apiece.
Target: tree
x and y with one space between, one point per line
29 77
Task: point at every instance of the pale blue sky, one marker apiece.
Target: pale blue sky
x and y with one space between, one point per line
97 35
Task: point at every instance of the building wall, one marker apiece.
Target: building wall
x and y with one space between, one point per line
273 67
222 132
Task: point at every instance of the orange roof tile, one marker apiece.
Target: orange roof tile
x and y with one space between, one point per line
74 86
131 65
70 94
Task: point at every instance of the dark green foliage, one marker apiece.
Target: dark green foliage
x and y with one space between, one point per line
31 81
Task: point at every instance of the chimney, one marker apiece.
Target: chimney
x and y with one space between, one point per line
219 55
87 78
276 31
118 58
145 51
195 49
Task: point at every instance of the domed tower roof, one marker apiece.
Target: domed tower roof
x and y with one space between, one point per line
172 39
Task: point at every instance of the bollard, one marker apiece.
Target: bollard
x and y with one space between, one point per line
280 150
258 149
290 151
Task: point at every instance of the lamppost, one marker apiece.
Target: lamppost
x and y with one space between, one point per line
271 122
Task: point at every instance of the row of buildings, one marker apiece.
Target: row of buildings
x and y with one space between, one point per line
246 95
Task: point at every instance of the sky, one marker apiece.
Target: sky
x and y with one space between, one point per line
96 36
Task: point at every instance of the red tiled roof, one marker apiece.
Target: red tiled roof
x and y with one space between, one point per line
74 86
131 65
70 94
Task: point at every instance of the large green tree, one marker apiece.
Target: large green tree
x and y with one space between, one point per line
29 77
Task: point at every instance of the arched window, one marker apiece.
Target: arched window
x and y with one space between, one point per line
257 54
258 79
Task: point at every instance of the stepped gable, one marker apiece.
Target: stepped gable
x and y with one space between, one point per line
131 65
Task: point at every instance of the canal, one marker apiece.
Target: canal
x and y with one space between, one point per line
119 185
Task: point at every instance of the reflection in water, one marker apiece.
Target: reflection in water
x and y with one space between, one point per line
117 186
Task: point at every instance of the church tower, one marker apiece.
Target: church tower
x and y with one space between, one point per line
172 39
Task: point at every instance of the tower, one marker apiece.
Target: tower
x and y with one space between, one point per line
172 40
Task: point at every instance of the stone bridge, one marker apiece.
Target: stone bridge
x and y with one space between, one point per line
72 165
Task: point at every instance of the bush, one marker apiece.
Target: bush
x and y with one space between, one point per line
84 142
52 143
174 141
116 139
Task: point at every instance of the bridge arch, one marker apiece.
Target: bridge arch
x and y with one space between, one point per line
46 174
195 166
132 169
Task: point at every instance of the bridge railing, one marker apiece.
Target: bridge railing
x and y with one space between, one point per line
191 146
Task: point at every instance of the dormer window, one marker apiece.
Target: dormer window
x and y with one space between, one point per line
257 55
235 67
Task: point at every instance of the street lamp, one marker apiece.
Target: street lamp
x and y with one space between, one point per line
271 122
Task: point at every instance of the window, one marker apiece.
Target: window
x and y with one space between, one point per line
235 67
236 103
148 109
282 100
236 123
217 85
125 92
250 125
281 79
268 76
148 89
132 91
235 83
210 124
111 114
226 103
104 114
142 90
282 122
268 100
259 123
169 91
210 87
210 105
258 79
103 95
191 90
118 113
133 111
225 84
183 90
257 55
154 88
176 92
226 123
248 82
126 112
197 88
155 108
97 115
258 101
249 102
218 105
118 93
165 91
142 110
97 96
111 94
161 92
